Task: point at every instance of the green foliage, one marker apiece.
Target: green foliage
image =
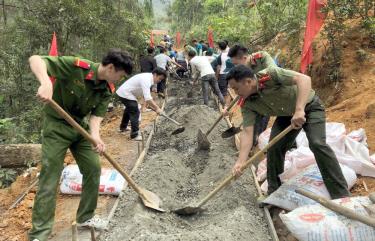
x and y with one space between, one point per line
7 177
237 21
84 28
339 11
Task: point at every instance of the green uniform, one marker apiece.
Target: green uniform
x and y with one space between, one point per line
78 91
261 60
276 96
189 48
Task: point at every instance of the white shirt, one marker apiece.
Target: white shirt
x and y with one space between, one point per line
202 65
162 60
224 58
137 86
210 58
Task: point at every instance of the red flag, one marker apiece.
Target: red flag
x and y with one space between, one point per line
178 39
210 38
152 44
53 52
314 21
53 49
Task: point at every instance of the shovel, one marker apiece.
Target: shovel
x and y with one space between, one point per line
193 209
231 131
203 142
149 199
177 131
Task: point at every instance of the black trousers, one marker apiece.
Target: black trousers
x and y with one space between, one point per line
223 84
161 86
261 123
131 113
315 128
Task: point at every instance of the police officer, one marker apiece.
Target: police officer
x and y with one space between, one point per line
83 89
257 62
287 95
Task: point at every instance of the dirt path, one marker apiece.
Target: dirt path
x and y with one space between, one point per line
180 174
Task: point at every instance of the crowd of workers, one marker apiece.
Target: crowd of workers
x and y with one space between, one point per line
84 88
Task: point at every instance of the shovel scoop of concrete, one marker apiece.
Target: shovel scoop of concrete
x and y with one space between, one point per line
203 142
188 210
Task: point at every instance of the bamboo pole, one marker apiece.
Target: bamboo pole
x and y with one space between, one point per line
338 208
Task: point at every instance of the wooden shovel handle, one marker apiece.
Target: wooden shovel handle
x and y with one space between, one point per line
338 208
169 118
86 135
228 179
221 116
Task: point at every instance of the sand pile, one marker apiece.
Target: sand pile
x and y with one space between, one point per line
180 174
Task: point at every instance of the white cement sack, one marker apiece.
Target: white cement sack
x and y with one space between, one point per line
309 179
263 138
350 150
297 160
111 181
317 223
262 170
359 136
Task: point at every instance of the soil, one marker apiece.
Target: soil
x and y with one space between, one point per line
180 174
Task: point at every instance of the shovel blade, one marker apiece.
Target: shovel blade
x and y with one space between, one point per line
151 200
178 131
189 210
203 142
231 132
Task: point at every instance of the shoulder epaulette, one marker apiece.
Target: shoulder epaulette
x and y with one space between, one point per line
81 64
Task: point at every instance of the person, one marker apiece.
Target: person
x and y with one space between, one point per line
210 57
202 68
204 46
189 48
148 63
181 60
198 47
138 86
162 60
258 61
287 95
83 89
221 69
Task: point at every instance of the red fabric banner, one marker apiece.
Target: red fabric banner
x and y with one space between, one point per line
314 21
210 38
53 52
53 49
152 44
178 39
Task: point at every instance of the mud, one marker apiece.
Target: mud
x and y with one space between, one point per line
179 173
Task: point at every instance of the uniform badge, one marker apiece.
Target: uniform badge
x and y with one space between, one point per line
89 75
257 56
262 80
111 87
